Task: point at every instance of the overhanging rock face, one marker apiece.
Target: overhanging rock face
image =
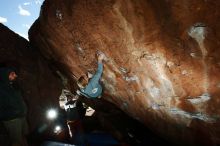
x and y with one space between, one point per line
163 63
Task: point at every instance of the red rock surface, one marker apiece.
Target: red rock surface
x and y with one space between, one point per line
163 63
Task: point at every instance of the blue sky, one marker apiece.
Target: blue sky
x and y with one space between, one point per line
19 15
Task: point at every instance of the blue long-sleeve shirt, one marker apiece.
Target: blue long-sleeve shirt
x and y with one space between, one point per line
94 89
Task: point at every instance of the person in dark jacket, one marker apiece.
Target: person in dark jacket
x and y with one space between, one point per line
12 107
75 112
92 88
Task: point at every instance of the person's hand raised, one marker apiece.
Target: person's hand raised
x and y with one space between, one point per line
101 57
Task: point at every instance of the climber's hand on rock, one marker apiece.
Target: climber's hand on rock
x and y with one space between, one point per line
101 57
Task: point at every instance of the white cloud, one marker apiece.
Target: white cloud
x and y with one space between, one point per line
23 12
26 3
26 25
38 2
3 20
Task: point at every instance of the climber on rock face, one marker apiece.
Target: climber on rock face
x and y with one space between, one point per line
91 88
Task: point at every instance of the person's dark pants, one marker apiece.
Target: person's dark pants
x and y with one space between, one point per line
76 132
17 129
